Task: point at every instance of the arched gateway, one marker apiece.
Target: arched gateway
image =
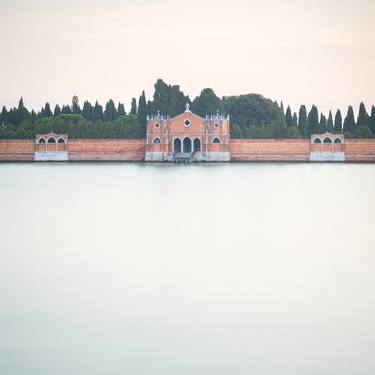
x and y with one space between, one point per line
188 137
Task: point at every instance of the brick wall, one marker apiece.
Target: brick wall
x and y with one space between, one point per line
269 150
360 149
107 149
16 150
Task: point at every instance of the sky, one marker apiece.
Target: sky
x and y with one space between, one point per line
301 52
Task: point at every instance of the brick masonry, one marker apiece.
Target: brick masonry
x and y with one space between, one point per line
356 150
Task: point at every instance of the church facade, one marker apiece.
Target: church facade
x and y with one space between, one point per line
187 137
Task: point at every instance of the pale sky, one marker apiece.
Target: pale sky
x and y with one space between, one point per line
301 52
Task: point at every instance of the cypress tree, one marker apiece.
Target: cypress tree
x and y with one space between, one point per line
363 117
322 123
330 122
372 120
4 117
110 112
57 110
98 112
313 121
302 121
133 110
142 110
349 122
338 122
280 127
282 107
47 111
121 110
288 117
87 111
295 120
33 116
66 110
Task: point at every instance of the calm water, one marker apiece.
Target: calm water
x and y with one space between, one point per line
187 269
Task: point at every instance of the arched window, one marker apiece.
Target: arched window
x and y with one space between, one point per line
156 141
197 145
216 140
61 140
317 140
177 145
51 140
42 141
327 140
187 145
338 140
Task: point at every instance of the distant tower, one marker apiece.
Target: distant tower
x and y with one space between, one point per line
75 101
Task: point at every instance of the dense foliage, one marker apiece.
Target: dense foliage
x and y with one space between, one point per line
252 116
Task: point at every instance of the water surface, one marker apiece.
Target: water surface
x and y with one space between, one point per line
187 269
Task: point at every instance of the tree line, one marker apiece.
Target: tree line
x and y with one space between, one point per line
252 116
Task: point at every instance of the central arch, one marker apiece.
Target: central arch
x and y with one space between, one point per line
197 145
177 145
187 145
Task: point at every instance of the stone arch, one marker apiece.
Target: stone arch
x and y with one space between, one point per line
156 141
51 140
177 145
42 141
61 140
187 145
216 140
337 140
197 145
317 140
327 140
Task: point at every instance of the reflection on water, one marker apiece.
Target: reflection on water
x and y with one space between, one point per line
187 269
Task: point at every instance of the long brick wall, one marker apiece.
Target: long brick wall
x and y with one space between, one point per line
107 149
240 149
360 149
17 149
269 149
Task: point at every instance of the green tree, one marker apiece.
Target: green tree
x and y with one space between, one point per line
322 123
302 121
88 111
313 121
372 120
280 127
236 132
142 112
110 112
57 110
207 103
133 110
97 113
362 132
121 110
338 122
288 117
295 120
363 117
330 122
349 122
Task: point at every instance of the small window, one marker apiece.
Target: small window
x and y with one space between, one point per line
156 141
338 140
157 126
61 140
327 140
42 141
317 140
187 123
51 140
216 125
216 140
